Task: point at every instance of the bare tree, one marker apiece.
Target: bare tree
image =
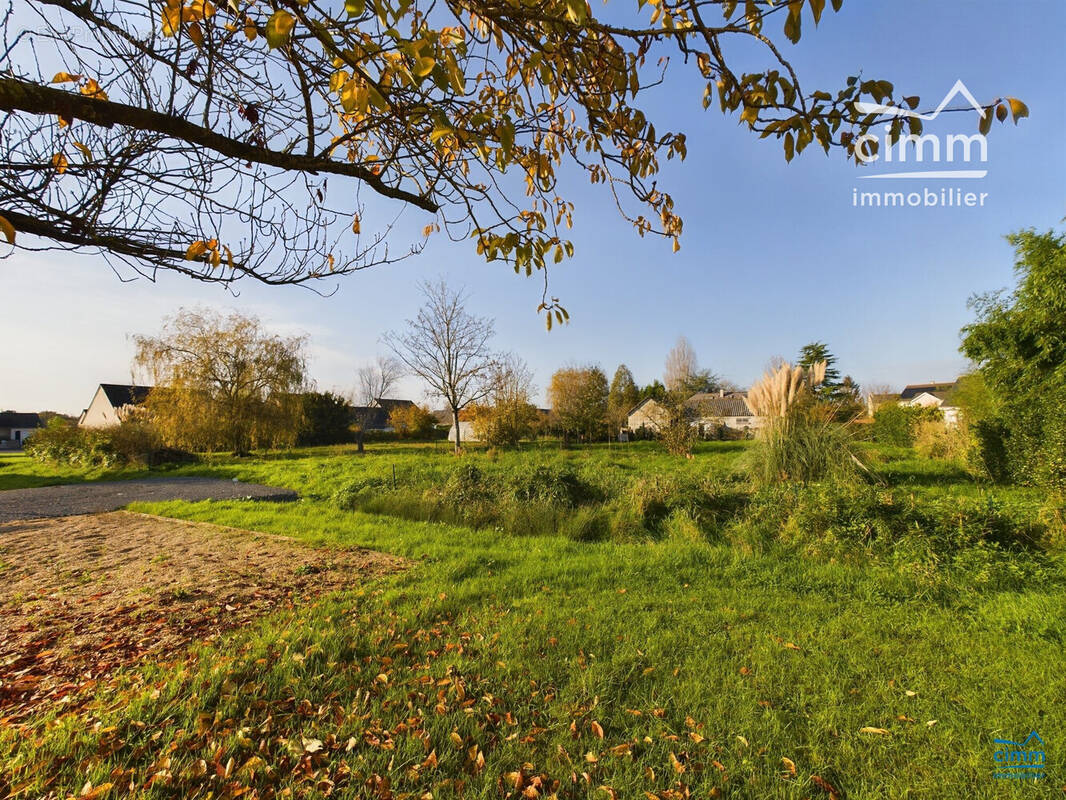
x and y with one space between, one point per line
681 365
376 380
448 348
682 373
373 381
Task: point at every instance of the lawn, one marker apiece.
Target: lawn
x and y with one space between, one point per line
687 661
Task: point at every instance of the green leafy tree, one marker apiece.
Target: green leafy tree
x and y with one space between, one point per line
814 352
623 395
1018 343
578 397
326 419
654 390
843 393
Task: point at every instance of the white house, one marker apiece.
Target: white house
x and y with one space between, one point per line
111 404
711 411
723 410
16 428
932 395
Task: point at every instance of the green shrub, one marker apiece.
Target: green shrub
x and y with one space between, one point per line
554 484
802 448
467 484
988 458
896 424
837 519
132 442
354 495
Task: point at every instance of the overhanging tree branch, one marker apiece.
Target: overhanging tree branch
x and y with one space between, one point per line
18 95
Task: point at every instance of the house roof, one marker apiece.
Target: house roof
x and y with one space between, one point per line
390 405
915 389
18 419
121 394
641 405
443 416
712 404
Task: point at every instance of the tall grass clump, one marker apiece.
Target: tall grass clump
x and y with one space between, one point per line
799 441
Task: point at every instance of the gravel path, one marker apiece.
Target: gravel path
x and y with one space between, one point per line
91 498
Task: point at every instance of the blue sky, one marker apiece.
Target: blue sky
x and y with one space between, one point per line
773 255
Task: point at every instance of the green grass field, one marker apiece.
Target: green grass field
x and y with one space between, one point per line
694 654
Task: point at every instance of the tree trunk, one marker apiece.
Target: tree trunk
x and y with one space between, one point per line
359 441
455 421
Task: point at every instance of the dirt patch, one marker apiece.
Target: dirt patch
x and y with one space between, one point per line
82 596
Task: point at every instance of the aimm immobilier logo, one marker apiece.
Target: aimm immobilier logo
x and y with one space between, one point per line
1020 760
955 155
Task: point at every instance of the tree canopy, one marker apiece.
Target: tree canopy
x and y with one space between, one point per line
247 138
1018 343
222 381
578 397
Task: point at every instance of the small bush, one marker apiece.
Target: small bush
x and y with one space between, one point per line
354 495
467 484
554 484
896 424
803 447
132 442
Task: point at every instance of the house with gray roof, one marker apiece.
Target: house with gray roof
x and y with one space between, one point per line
112 403
16 427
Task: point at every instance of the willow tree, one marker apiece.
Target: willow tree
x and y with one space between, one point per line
223 382
278 139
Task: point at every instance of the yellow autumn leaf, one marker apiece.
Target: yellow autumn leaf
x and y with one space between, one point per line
171 17
59 161
92 89
878 731
196 249
423 66
250 31
1018 109
279 28
85 151
66 77
355 225
7 229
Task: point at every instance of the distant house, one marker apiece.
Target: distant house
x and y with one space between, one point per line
16 428
648 415
376 417
723 410
112 403
933 395
711 412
